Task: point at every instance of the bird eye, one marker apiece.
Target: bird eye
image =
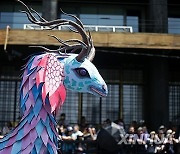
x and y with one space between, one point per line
82 72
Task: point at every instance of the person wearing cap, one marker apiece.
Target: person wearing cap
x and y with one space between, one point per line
160 147
68 147
140 140
168 138
163 128
151 147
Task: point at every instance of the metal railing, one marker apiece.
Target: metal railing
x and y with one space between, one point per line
95 28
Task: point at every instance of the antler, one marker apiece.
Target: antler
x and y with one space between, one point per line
86 45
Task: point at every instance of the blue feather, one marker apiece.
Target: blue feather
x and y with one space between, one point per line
39 128
16 147
38 145
52 119
37 106
46 123
3 144
33 151
30 116
23 101
50 133
50 149
20 134
35 91
30 64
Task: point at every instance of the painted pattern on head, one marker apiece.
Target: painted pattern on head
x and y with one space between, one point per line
83 76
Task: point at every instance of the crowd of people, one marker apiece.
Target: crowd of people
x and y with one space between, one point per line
134 139
75 138
164 140
113 137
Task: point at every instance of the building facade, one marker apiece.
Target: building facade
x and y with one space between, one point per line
140 66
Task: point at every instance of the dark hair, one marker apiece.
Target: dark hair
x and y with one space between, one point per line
63 114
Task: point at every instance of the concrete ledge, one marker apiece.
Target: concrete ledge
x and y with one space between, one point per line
101 39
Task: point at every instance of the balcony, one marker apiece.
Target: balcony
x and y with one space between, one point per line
101 38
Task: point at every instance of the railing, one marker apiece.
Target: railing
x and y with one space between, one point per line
95 28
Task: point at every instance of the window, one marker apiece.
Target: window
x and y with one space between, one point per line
96 15
70 107
10 14
111 103
96 109
15 20
9 101
174 25
174 105
132 103
91 108
133 22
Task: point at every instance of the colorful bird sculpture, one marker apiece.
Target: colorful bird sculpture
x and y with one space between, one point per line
43 89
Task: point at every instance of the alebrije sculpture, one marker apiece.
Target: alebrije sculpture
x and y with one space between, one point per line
43 89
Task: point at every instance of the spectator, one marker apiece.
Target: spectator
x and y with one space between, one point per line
1 136
139 137
83 123
61 130
120 122
160 148
68 147
145 132
134 124
140 140
151 147
93 133
62 120
89 133
78 135
144 129
170 142
131 133
7 128
106 123
121 125
162 128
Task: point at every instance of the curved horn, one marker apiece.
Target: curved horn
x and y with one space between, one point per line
86 43
91 54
